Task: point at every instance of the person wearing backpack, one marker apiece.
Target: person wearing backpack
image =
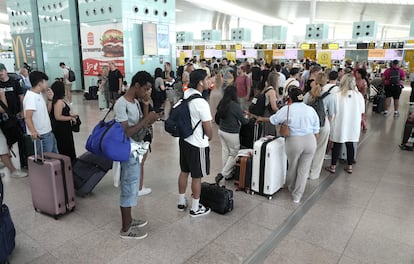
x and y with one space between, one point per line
328 108
194 149
392 78
68 84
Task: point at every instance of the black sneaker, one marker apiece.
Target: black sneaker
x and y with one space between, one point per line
182 207
200 212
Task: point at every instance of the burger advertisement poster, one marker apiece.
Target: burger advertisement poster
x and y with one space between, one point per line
100 45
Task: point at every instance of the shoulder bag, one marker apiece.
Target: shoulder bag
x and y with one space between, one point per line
108 139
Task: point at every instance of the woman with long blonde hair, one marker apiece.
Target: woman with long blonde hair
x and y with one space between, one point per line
350 106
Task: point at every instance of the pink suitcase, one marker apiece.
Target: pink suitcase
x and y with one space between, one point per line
51 183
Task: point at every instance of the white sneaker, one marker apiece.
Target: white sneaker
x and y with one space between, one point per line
144 191
328 157
18 174
296 200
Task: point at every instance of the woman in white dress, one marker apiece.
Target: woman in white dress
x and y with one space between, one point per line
346 125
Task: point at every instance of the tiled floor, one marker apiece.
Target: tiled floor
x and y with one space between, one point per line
365 217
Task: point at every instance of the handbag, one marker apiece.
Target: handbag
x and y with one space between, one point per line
108 139
284 128
10 125
76 125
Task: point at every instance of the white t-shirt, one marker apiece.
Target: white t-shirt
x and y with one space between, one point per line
66 73
199 110
41 121
282 80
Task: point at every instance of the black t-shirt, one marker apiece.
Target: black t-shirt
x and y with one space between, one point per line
113 80
256 74
12 91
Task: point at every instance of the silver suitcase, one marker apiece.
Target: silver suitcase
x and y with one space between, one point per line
269 166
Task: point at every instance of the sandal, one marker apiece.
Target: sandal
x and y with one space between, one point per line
348 170
331 169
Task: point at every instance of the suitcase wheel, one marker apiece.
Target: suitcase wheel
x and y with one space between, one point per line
252 193
73 209
270 197
55 217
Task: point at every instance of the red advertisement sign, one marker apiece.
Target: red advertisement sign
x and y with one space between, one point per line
101 45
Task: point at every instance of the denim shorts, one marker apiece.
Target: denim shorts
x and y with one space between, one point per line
129 181
48 142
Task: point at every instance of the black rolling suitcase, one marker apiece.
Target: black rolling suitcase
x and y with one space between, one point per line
88 171
378 103
218 198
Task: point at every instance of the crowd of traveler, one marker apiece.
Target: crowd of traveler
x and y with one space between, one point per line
226 91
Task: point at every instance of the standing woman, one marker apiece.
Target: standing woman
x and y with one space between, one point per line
346 124
62 120
322 141
271 96
230 115
158 93
313 73
362 85
301 143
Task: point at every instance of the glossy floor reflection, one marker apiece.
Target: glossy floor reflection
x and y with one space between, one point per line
365 217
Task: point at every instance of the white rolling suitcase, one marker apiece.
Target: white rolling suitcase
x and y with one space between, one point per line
269 166
101 100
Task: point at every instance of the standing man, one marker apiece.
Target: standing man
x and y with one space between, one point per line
194 150
115 79
129 114
243 84
14 100
392 79
36 112
68 84
25 82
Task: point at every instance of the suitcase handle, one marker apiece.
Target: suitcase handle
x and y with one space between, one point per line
36 159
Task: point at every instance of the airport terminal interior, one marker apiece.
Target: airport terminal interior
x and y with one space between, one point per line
344 218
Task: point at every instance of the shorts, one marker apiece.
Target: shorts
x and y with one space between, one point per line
194 160
129 181
393 91
4 149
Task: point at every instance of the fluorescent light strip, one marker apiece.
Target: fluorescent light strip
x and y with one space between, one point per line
237 11
383 2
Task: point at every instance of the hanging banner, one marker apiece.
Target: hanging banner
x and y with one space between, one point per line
101 45
324 58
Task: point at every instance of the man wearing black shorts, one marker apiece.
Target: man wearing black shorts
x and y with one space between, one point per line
194 150
392 79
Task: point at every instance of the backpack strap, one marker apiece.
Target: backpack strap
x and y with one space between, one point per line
194 96
325 94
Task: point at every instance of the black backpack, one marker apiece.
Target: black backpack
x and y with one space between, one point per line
71 76
7 230
319 106
258 105
394 76
178 123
